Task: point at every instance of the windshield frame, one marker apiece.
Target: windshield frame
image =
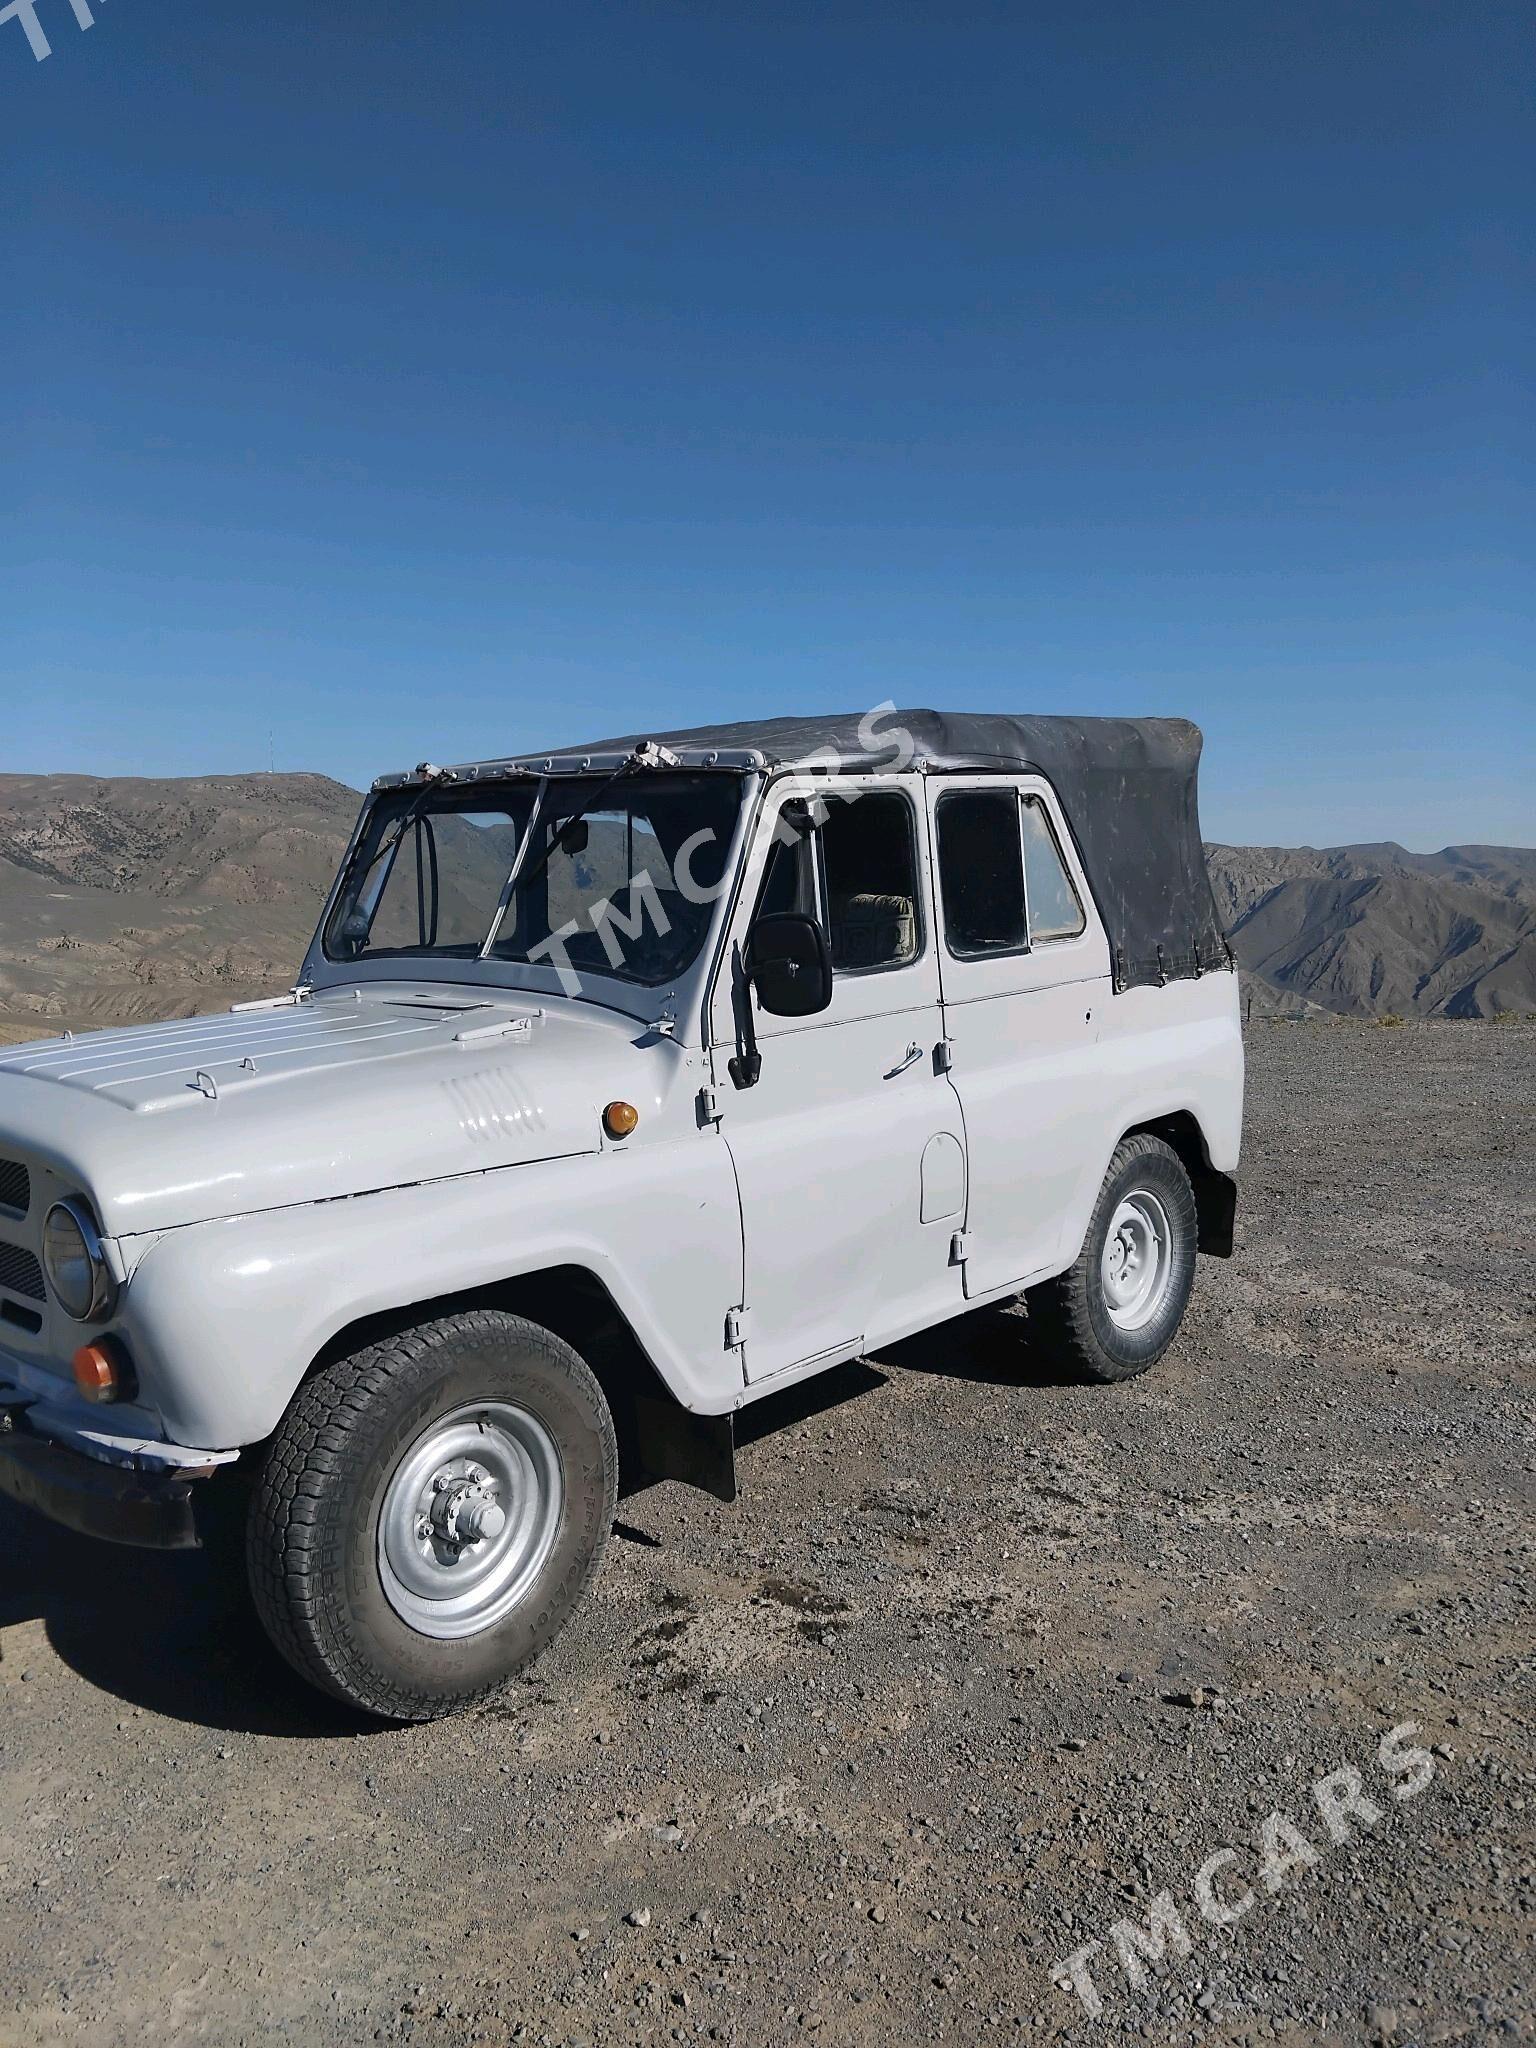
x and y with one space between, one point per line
324 968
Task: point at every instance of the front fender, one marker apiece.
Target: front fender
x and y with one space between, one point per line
224 1318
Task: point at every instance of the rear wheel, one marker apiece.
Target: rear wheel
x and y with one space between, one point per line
1115 1310
430 1512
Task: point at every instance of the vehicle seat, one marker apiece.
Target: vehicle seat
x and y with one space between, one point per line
872 929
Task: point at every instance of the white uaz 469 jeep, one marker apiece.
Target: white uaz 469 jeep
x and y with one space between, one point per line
619 1088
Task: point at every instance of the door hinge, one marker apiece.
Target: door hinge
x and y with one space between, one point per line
943 1056
736 1320
709 1106
959 1247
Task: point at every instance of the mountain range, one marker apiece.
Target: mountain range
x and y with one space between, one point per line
125 899
1370 931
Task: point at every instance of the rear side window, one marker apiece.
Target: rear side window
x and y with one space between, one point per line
869 860
981 872
1054 911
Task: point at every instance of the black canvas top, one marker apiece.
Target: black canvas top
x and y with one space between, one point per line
1127 786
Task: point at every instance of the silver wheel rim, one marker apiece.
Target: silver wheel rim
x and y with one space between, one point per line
1136 1266
469 1519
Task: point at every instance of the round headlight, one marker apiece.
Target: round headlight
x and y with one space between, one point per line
72 1257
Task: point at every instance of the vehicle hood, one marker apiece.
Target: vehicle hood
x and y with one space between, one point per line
336 1095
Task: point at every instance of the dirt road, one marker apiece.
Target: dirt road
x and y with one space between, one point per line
979 1666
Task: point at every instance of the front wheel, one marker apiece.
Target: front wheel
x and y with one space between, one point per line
430 1512
1115 1310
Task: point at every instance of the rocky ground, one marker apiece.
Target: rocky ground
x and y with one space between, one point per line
979 1666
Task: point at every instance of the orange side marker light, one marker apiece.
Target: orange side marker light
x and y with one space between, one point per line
96 1373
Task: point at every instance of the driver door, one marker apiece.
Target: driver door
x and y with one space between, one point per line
847 1150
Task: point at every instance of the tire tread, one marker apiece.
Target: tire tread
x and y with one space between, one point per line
293 1533
1060 1315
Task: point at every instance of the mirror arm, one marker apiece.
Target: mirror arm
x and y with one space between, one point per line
745 1067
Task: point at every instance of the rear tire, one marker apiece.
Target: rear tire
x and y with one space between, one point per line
1116 1309
431 1510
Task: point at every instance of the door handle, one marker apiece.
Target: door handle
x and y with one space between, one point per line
913 1055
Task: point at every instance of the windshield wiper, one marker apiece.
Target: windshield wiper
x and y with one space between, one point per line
350 902
387 845
507 887
647 755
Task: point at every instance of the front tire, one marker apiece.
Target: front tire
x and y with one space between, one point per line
1117 1308
430 1512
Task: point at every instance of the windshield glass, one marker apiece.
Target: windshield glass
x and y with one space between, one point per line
625 889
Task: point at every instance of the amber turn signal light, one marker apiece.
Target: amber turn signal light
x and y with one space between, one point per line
98 1374
620 1118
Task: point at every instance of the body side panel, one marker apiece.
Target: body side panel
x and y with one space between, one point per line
225 1317
1023 1029
829 1142
1160 1052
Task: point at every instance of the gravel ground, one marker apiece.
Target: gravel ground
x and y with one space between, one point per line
978 1666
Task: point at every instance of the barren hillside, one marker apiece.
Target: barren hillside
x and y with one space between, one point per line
236 839
1371 930
128 898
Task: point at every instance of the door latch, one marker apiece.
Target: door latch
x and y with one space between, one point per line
943 1056
736 1320
959 1248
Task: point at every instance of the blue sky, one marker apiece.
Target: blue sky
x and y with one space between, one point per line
401 381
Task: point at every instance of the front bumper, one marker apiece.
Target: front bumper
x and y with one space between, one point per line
151 1511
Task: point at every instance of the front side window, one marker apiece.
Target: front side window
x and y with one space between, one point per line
869 866
850 862
626 889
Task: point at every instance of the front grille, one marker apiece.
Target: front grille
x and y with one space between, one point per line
15 1186
20 1273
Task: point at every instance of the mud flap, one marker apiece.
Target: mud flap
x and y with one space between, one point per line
1216 1206
673 1443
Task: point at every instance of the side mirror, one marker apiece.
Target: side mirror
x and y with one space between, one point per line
789 965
